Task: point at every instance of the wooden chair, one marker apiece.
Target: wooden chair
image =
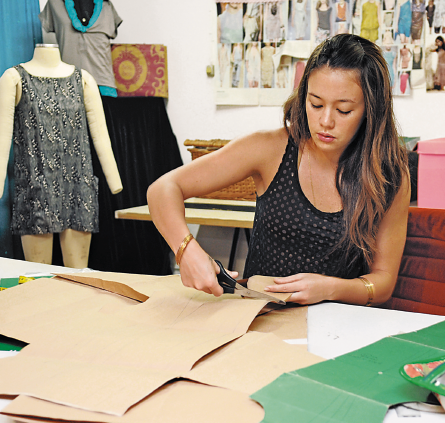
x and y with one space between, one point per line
421 283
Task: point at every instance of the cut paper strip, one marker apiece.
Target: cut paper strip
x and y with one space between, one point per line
258 283
111 286
135 286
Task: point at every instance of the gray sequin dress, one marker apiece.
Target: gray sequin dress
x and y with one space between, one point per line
55 188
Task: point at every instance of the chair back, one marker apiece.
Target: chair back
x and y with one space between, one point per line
421 282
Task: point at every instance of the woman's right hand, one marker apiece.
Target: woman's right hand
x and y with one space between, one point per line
198 270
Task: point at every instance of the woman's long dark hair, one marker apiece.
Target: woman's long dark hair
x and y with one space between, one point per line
371 168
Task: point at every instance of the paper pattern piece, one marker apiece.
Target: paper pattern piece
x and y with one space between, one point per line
108 352
140 70
141 346
359 386
236 366
286 323
250 362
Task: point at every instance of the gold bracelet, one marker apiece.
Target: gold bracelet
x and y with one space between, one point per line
370 289
182 247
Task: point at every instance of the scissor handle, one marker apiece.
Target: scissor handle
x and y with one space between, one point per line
225 280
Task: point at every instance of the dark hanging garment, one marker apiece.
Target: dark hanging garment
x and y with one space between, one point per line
145 148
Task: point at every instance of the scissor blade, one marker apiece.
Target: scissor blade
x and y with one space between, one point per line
246 292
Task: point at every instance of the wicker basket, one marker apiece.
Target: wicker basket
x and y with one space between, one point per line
243 190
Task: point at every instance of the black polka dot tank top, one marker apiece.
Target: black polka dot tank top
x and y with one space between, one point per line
289 234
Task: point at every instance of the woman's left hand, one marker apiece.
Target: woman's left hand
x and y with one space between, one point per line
307 288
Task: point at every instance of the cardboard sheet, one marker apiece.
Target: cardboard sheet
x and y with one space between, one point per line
178 402
359 386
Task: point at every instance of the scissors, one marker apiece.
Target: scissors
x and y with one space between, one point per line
231 286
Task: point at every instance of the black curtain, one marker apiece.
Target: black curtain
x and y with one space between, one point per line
145 148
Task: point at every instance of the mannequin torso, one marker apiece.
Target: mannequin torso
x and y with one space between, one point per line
47 63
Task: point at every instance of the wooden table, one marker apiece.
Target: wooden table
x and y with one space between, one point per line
202 211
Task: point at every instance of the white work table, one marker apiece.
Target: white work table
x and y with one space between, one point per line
333 329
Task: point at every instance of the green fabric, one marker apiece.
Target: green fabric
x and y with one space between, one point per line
358 386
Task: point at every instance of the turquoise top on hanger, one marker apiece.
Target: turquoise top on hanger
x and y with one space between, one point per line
69 4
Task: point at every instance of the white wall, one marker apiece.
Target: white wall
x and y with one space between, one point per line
188 30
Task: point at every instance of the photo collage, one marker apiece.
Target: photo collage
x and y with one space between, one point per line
264 45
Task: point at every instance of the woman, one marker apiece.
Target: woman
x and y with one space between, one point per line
236 59
418 12
430 14
267 68
299 19
272 21
390 55
439 75
332 185
253 65
324 11
405 57
370 20
252 22
230 24
404 21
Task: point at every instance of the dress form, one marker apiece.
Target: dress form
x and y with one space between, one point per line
46 62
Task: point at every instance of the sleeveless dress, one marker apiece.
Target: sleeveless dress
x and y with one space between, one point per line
439 76
300 20
273 23
405 19
267 65
55 188
389 58
231 26
370 22
324 25
289 234
418 13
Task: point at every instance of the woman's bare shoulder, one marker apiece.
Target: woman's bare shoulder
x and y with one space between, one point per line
265 140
